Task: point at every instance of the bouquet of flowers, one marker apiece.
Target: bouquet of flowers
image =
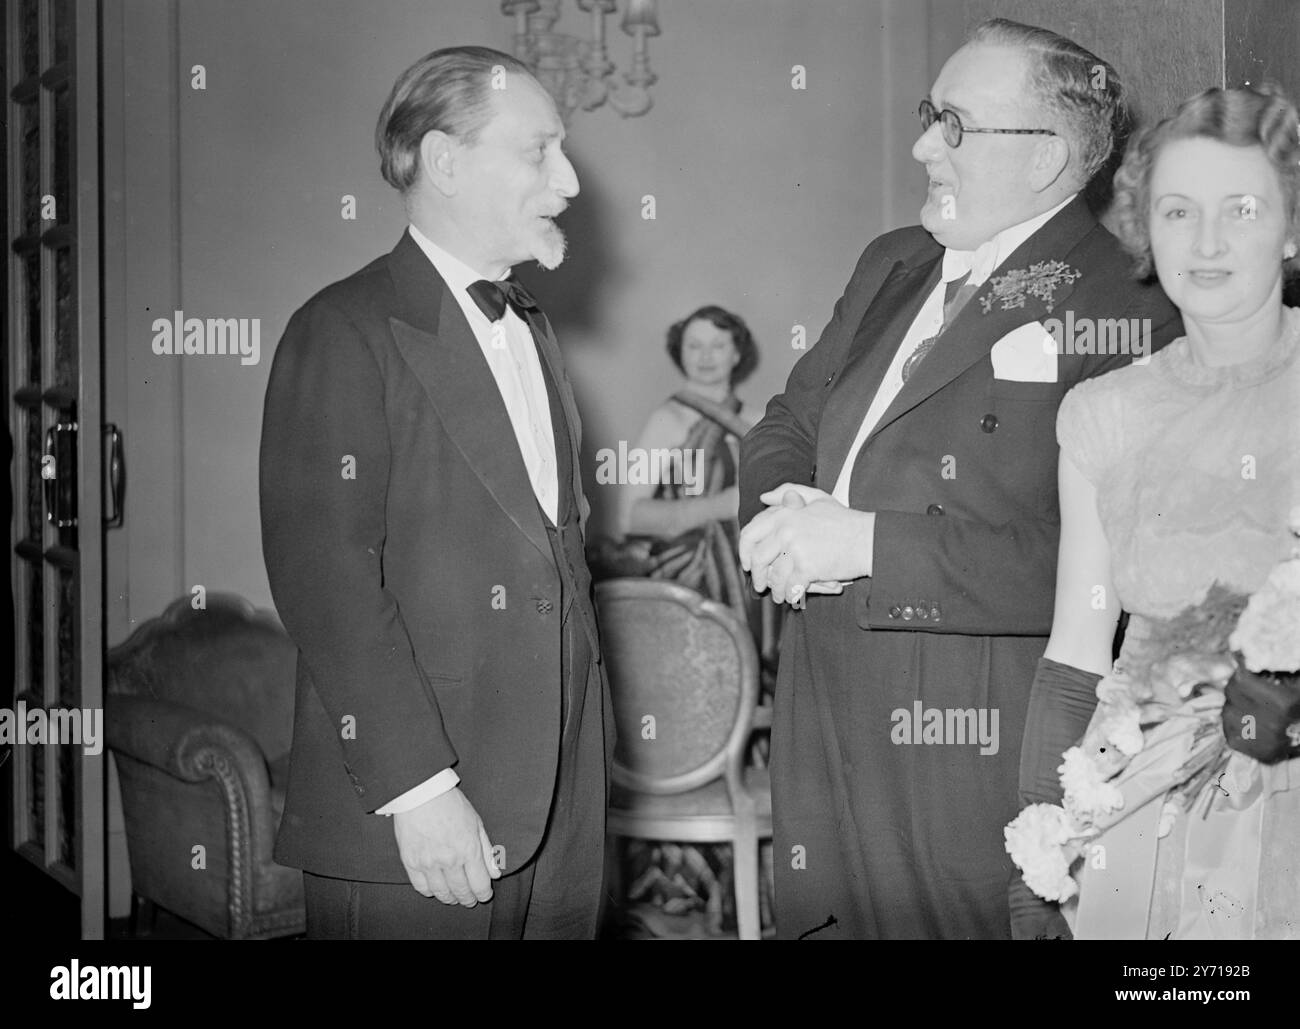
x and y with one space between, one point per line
1157 730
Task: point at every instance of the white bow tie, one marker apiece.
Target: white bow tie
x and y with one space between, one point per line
979 262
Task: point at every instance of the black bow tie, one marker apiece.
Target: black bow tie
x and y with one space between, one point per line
492 298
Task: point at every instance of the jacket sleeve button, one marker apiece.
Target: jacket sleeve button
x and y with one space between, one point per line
895 611
989 422
934 611
908 613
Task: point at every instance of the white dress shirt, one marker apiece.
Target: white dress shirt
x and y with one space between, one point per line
980 263
512 357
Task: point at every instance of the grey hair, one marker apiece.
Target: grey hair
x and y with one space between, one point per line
446 91
1072 85
1262 116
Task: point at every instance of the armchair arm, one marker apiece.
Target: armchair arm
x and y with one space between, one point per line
181 740
195 747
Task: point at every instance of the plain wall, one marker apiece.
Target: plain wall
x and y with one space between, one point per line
1164 50
226 202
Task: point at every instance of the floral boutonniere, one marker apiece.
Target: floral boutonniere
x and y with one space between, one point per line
1039 280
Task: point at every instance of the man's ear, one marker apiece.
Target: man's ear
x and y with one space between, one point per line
1051 158
438 161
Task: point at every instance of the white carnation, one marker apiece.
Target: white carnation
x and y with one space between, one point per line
1268 632
1122 725
1088 796
1041 842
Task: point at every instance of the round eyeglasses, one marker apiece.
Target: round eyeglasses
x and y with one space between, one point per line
951 127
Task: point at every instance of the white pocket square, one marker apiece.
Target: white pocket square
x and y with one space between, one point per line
1026 354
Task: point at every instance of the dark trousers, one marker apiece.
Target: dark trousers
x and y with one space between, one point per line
893 840
556 895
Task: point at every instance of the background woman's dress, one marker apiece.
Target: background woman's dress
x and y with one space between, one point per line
704 558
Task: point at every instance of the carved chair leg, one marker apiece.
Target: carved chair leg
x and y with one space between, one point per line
746 878
766 875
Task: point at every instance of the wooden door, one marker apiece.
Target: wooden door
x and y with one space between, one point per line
53 393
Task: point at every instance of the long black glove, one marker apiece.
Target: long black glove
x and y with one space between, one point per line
1061 703
1271 706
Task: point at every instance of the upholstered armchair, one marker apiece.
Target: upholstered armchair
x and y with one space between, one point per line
199 712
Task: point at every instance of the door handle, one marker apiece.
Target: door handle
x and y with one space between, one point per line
116 476
50 473
51 470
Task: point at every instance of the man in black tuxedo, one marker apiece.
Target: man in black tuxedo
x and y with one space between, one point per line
422 519
906 479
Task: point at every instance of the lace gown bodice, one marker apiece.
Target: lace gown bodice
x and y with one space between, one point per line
1196 468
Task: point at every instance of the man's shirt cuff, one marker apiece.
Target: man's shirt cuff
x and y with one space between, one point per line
436 786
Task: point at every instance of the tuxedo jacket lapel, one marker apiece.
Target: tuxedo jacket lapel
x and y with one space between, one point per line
973 332
875 343
549 349
438 345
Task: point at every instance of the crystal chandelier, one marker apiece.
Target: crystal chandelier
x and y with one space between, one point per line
578 72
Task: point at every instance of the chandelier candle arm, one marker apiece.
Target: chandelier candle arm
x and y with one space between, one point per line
641 75
520 10
578 72
597 62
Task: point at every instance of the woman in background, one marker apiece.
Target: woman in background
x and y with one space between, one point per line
1174 474
686 522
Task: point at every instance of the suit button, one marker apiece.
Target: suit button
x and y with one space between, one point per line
895 611
934 509
908 613
544 607
922 612
934 611
989 422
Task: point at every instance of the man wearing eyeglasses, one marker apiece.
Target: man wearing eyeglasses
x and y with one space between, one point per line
901 493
